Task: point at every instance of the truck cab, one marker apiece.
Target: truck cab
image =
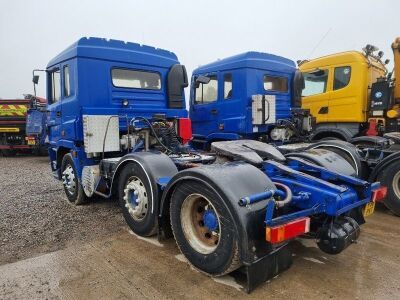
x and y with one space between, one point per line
97 85
337 92
243 96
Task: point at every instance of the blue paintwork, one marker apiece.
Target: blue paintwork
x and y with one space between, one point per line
210 220
335 197
90 61
233 119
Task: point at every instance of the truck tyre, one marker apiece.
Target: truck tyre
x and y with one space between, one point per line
203 228
72 185
136 200
390 177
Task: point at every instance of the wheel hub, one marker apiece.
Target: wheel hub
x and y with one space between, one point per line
210 220
68 177
200 223
136 200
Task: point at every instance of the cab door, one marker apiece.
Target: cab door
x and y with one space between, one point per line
204 107
54 117
344 103
316 94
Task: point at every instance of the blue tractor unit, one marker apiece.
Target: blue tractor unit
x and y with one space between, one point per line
118 127
251 95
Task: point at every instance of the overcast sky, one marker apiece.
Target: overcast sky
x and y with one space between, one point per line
33 32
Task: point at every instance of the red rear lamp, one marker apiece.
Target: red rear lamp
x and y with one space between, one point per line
185 129
379 194
280 233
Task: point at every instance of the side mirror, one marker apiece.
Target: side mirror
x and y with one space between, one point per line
201 79
318 73
35 79
177 80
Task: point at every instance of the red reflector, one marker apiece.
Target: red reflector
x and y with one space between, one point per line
185 129
372 128
379 194
287 231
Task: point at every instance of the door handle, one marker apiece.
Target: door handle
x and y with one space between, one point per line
58 113
213 111
323 110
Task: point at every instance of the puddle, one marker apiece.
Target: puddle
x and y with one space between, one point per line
229 281
309 243
151 240
314 260
181 258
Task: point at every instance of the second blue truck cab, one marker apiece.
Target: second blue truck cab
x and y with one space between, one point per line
117 127
246 96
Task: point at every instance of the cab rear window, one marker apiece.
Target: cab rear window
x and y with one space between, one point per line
135 79
276 84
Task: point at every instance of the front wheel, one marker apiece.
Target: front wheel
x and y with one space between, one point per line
72 185
204 229
136 200
390 177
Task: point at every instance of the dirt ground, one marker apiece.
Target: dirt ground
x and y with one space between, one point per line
50 249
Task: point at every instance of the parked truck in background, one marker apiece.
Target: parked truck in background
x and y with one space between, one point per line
231 96
14 134
118 126
352 93
251 95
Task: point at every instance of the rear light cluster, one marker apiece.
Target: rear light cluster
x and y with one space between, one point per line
379 194
185 129
280 233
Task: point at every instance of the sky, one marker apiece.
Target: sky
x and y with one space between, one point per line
199 32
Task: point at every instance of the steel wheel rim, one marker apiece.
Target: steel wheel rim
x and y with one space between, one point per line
201 238
136 198
396 184
69 179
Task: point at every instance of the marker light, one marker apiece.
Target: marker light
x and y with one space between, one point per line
280 233
379 194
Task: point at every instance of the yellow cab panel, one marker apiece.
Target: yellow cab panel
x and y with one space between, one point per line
346 95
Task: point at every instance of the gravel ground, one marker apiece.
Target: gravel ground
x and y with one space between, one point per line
36 217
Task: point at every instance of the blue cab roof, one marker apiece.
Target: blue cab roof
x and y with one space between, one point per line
100 48
258 60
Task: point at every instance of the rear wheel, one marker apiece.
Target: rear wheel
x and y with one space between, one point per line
72 185
136 200
390 177
204 229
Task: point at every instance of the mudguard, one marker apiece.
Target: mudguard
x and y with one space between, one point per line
377 141
158 167
232 181
327 159
347 151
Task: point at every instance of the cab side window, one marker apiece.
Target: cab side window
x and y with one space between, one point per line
227 86
55 81
276 84
207 93
315 82
67 86
341 77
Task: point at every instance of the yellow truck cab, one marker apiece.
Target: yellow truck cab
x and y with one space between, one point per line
337 89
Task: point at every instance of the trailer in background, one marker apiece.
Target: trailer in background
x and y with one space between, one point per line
19 125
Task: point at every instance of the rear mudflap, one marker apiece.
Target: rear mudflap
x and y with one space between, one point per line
267 267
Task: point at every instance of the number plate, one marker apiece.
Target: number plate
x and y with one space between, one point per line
369 209
31 142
